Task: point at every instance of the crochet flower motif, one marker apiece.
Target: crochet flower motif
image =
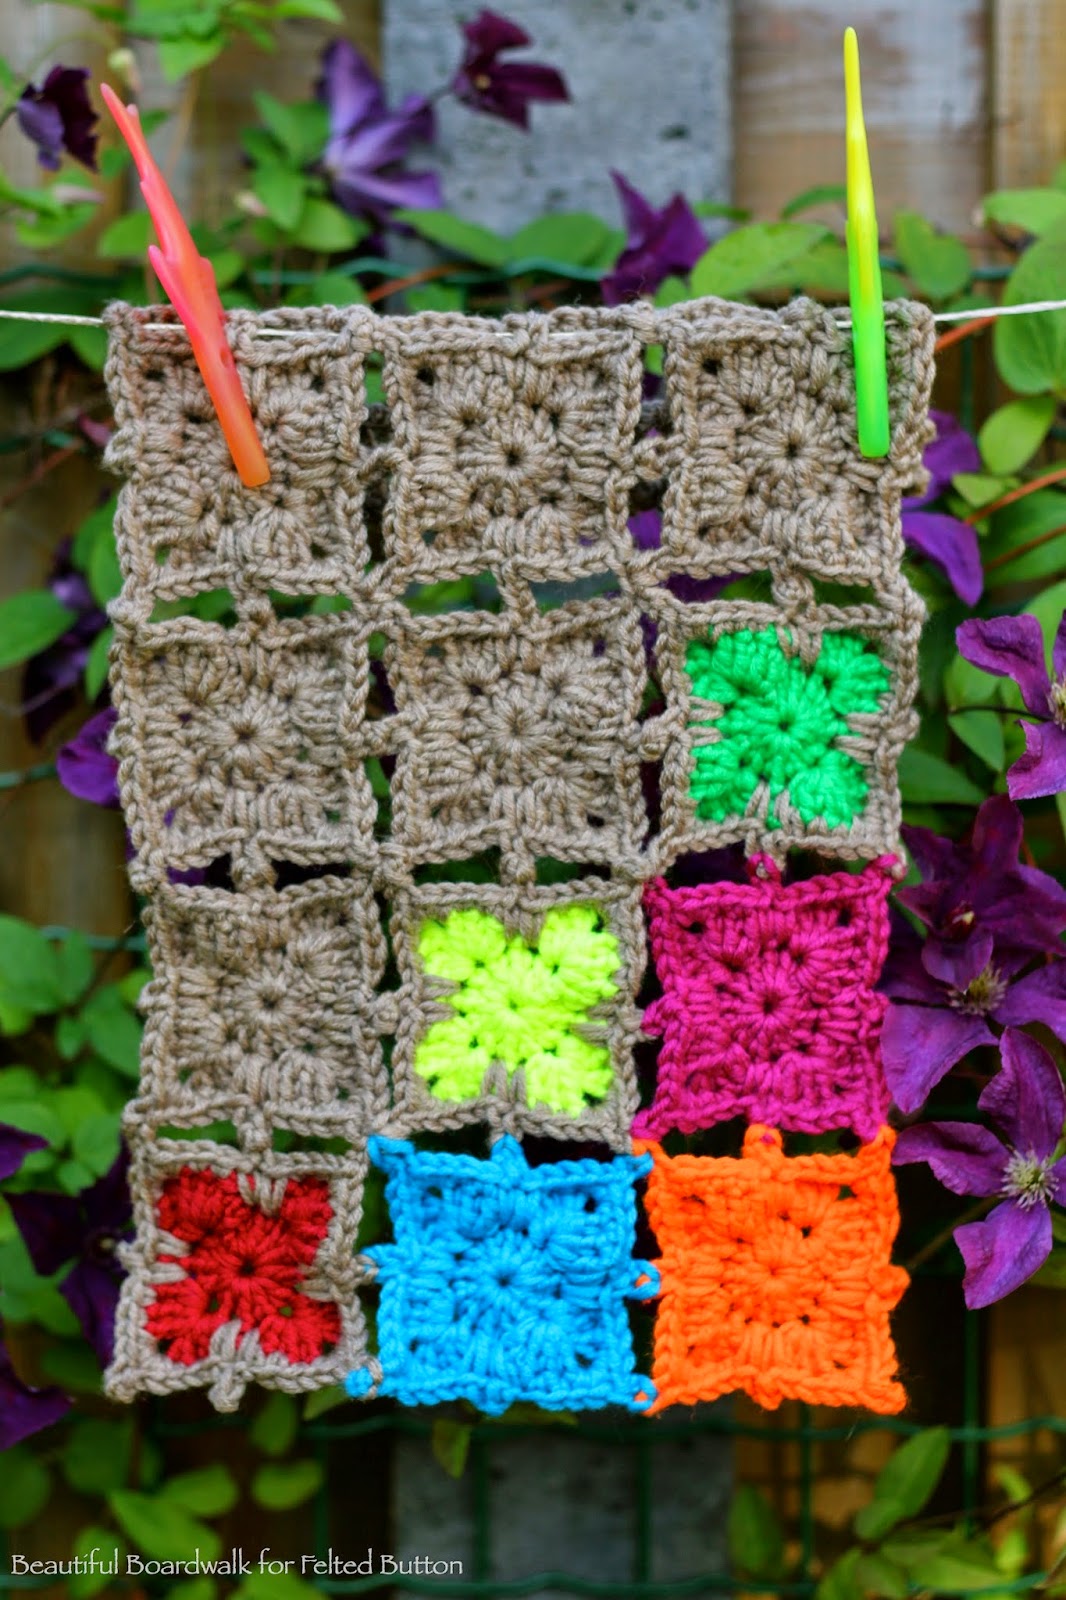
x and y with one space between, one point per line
242 1265
779 725
519 1005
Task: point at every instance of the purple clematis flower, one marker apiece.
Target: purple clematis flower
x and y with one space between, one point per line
659 244
503 89
368 143
943 1001
979 887
58 117
50 679
944 540
1026 1103
1013 647
15 1146
24 1410
86 1229
84 766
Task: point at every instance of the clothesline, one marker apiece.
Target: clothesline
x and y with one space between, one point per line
1031 308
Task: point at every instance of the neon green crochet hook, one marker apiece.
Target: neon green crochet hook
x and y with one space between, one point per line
864 271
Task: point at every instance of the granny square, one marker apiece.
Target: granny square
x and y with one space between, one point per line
768 1008
513 446
507 1282
188 525
787 720
520 731
776 1276
518 1009
246 1270
265 1006
247 737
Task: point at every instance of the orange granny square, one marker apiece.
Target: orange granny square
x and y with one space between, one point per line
776 1276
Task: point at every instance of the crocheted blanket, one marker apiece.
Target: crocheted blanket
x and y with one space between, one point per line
690 631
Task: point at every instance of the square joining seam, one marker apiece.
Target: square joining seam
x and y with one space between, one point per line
517 449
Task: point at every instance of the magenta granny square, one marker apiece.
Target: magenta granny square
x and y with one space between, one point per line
768 1009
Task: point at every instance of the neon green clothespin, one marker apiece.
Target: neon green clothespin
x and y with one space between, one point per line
864 271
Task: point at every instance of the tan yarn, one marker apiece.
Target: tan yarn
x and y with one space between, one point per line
515 448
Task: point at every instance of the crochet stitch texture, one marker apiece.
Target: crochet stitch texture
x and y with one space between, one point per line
776 1276
768 1008
508 1282
327 756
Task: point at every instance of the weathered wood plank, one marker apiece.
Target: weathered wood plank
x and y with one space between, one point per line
924 75
1029 109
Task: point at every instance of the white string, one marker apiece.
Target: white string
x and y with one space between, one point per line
1031 308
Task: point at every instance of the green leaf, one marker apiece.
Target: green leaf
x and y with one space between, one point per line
1030 351
280 1485
450 1443
29 967
1035 517
320 10
97 662
823 194
96 1142
194 1589
74 1103
878 1575
109 1547
282 191
162 1530
938 264
319 1401
179 57
323 226
957 1567
756 1539
905 1482
568 237
113 1031
74 966
1032 210
981 732
207 1492
24 342
1052 1275
48 231
275 1424
1048 608
301 130
1015 432
275 1586
25 1485
979 488
90 346
29 623
96 1456
104 574
841 1581
749 256
466 239
127 238
925 779
328 289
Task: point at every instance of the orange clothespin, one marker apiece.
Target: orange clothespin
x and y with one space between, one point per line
189 280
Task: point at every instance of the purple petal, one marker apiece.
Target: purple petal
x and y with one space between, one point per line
1042 769
67 88
681 241
904 977
958 965
996 835
41 122
1009 647
1026 1098
85 768
1002 1251
24 1411
489 33
920 1044
951 452
637 212
379 193
373 145
1038 997
530 80
107 1204
950 545
350 88
51 1226
91 1292
646 529
1058 649
15 1146
1057 1174
967 1158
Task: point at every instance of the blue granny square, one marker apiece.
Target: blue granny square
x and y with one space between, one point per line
508 1282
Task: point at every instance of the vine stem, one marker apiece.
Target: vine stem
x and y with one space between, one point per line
15 780
964 331
939 1240
1023 549
1013 495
